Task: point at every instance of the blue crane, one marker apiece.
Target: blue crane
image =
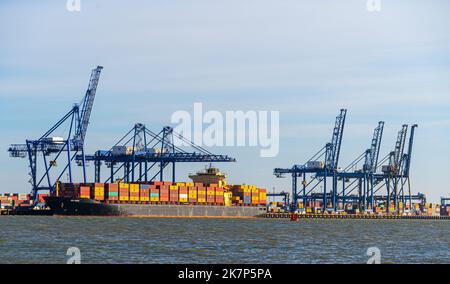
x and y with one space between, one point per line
396 174
320 170
363 179
142 155
51 147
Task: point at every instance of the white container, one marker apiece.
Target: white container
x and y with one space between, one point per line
119 150
54 140
183 195
315 165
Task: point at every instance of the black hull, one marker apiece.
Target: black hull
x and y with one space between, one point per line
69 206
88 207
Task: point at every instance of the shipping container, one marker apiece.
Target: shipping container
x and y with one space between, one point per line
315 165
85 192
124 192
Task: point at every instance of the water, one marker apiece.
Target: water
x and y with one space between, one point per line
146 240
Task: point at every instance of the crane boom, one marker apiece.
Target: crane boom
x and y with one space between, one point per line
88 102
334 148
399 147
410 146
373 153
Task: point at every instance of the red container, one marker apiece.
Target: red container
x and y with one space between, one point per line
210 199
173 197
167 183
183 190
85 191
158 183
164 194
144 192
41 197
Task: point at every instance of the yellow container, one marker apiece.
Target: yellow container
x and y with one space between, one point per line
192 193
134 198
134 187
174 187
227 198
201 200
189 183
124 198
156 199
184 200
200 192
145 199
181 184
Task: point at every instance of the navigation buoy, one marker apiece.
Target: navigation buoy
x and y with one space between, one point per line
294 217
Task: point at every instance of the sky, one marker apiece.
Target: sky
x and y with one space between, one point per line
305 59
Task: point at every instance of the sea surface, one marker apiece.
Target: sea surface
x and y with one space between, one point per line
32 239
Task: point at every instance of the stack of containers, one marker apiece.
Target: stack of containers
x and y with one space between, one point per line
154 193
246 194
263 197
164 192
6 201
112 190
71 190
255 195
192 194
173 193
210 194
144 192
134 192
201 193
241 194
317 204
183 194
23 197
85 192
99 191
219 199
124 194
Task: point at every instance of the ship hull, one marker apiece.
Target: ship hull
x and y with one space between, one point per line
88 207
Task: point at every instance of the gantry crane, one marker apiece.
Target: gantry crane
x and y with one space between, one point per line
51 147
395 176
320 170
363 178
143 155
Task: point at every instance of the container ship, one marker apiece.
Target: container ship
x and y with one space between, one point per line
207 195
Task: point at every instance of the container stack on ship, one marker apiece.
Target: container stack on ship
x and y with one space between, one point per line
208 195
